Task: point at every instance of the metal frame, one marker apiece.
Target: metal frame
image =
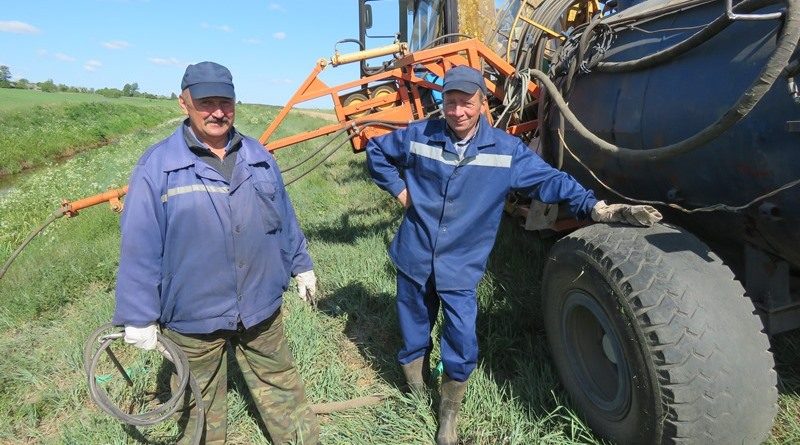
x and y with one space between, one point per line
405 104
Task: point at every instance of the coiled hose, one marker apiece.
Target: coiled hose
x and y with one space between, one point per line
105 335
102 338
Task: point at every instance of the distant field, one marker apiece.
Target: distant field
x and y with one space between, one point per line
12 100
37 128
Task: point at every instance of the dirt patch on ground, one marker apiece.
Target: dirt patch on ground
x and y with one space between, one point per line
326 115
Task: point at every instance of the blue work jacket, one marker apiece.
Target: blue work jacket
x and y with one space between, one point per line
451 226
199 253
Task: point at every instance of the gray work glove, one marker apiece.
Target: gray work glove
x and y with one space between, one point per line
306 285
143 338
635 215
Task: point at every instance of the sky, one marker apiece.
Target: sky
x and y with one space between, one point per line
270 46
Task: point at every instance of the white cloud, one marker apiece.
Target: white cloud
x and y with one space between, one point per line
276 7
280 35
281 81
252 41
64 57
116 44
41 52
18 27
223 28
92 65
163 61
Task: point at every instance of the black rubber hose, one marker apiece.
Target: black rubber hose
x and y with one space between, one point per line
379 123
696 39
53 216
91 358
787 44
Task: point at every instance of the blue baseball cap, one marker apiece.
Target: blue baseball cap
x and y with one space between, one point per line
208 79
463 78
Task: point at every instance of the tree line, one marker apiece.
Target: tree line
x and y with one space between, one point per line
48 86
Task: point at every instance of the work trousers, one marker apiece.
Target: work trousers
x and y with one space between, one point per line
417 309
266 363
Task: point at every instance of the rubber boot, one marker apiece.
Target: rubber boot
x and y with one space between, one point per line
452 392
417 374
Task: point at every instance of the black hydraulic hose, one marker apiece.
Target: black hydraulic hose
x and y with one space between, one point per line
585 40
378 123
655 13
787 44
91 358
324 158
315 152
53 216
709 31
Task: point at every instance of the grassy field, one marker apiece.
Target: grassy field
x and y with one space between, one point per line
15 100
37 127
61 288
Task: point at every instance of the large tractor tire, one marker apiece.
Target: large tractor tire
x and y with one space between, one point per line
654 339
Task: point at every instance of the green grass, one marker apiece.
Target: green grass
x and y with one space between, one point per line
61 288
21 100
37 128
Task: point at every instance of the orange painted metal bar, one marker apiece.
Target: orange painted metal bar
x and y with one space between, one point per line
71 208
523 127
310 80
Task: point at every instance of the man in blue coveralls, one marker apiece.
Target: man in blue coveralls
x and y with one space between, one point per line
209 240
452 176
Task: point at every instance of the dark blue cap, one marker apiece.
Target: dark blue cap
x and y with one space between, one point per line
463 78
208 79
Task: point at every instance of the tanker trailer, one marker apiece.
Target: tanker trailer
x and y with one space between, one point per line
660 335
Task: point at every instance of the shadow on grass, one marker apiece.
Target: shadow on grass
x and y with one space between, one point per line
351 226
356 172
511 341
371 325
513 347
786 348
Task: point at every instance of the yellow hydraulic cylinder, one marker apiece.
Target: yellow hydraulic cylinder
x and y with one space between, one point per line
395 48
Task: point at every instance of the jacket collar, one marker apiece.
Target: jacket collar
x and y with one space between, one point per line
251 153
436 131
181 157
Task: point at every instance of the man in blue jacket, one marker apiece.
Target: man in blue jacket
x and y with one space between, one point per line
452 176
209 241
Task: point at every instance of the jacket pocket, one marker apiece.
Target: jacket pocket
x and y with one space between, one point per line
428 168
268 204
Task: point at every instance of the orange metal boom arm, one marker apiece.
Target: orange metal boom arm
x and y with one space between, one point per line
402 102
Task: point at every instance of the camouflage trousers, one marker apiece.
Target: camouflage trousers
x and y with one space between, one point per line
268 368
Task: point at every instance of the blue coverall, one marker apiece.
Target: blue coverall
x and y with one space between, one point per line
447 234
209 259
201 254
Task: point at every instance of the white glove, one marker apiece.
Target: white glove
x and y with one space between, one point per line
143 338
636 215
306 284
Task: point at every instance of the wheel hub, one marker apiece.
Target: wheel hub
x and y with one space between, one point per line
595 354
